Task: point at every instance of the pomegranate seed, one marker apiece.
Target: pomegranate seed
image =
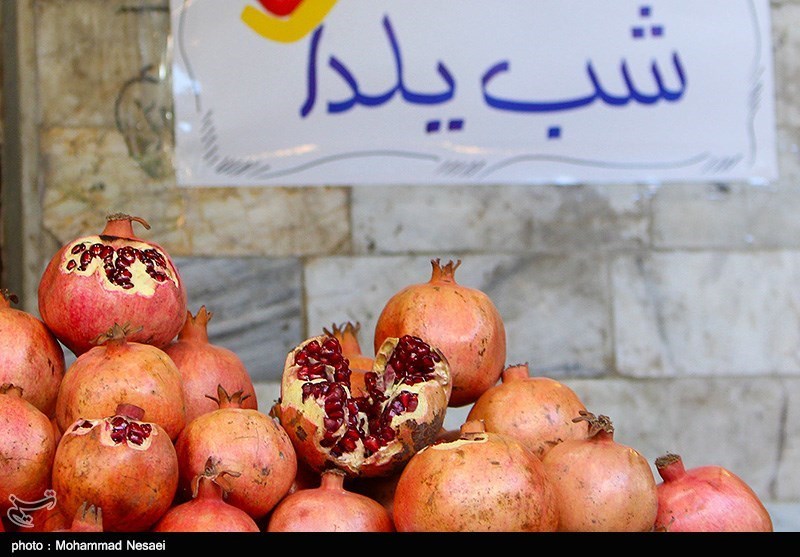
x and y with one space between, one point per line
71 264
77 248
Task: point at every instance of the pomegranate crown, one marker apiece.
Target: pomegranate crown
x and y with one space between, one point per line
124 216
9 296
596 423
214 474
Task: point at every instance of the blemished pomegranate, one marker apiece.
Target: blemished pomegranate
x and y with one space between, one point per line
95 281
204 366
481 482
369 435
30 356
247 443
707 498
360 363
123 465
601 485
118 371
208 510
27 449
88 518
329 508
461 321
538 411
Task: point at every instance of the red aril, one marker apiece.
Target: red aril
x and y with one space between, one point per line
360 363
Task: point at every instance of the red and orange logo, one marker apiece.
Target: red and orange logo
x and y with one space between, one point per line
286 21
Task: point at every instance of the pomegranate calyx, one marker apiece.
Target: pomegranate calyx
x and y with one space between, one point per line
213 474
126 217
597 424
117 334
88 517
444 273
667 459
8 297
11 389
515 372
472 429
226 400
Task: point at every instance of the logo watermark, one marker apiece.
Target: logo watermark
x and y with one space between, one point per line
18 514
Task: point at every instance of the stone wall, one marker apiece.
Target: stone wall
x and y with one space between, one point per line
672 309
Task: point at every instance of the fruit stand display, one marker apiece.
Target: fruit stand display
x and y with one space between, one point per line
153 428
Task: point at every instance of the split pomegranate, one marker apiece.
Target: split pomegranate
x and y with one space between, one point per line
88 519
245 442
706 499
95 281
360 363
329 508
482 482
27 449
123 465
369 435
30 356
601 485
118 371
204 366
460 321
208 511
535 410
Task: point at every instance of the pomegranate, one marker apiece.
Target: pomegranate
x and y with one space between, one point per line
706 499
88 519
27 449
482 482
329 508
247 443
30 356
360 363
123 465
462 322
204 366
601 485
95 281
370 435
536 410
208 511
118 371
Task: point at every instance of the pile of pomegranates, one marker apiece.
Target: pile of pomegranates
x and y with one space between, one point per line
153 428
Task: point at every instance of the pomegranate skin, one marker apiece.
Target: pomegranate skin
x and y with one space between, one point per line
481 482
80 305
27 449
601 485
706 499
329 508
538 411
462 322
204 366
120 371
30 356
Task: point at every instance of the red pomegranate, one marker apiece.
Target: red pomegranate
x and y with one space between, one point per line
360 363
601 485
30 356
329 508
706 499
460 321
208 511
123 465
482 482
245 442
95 281
204 366
538 411
27 449
118 371
369 435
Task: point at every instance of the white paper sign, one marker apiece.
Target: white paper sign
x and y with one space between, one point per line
326 92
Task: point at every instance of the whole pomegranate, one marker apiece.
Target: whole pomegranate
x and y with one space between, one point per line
601 485
368 435
27 449
208 511
95 281
482 482
30 356
538 411
460 321
329 508
123 465
245 442
706 499
204 366
360 363
118 371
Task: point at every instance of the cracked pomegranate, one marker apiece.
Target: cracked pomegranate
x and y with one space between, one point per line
372 434
95 281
